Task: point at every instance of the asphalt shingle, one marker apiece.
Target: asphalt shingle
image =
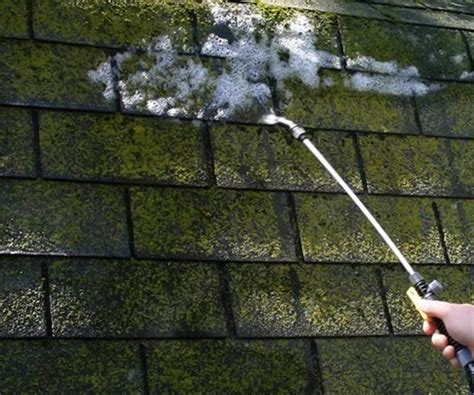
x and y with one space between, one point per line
332 229
135 299
383 365
62 219
211 224
254 157
228 366
70 366
17 157
14 18
122 148
21 298
333 106
457 218
416 165
51 75
367 44
448 111
112 24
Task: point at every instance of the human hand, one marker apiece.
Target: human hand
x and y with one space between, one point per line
459 321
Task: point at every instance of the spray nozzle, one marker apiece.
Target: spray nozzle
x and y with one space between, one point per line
298 132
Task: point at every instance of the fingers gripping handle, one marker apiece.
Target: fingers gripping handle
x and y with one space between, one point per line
462 352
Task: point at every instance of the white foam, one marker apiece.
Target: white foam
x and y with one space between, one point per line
367 63
467 75
103 74
289 52
394 85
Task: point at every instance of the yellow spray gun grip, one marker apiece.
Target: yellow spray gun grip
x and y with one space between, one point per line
414 297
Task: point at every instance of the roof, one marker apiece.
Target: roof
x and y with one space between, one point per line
143 252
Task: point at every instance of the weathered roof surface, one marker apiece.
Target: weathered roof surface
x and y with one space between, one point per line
146 254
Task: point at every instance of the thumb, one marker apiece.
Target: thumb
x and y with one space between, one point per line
434 308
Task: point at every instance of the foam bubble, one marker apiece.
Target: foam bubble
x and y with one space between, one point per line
394 85
367 63
467 75
103 74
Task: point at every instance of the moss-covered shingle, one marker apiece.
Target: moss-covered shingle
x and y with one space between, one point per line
247 156
21 298
70 367
457 219
51 75
14 18
124 148
448 111
229 367
334 106
263 300
435 52
214 223
114 23
457 283
135 299
333 229
462 157
306 300
62 219
17 156
340 300
426 17
416 165
386 366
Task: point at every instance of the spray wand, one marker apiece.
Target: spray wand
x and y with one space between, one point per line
420 288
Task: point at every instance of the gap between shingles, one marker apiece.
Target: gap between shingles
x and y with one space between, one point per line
144 366
442 236
46 299
383 295
226 298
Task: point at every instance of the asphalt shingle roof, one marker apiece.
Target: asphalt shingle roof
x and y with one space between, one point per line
147 254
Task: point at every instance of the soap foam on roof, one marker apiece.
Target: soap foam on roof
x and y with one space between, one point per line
251 63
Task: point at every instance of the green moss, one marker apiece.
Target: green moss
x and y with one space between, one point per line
386 366
337 107
135 299
13 18
120 23
457 219
53 75
21 298
340 300
448 111
179 223
230 367
332 229
70 367
57 218
116 147
16 143
457 283
434 52
263 301
462 156
271 158
412 165
275 15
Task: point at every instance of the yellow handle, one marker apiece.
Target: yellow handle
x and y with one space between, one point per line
414 297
